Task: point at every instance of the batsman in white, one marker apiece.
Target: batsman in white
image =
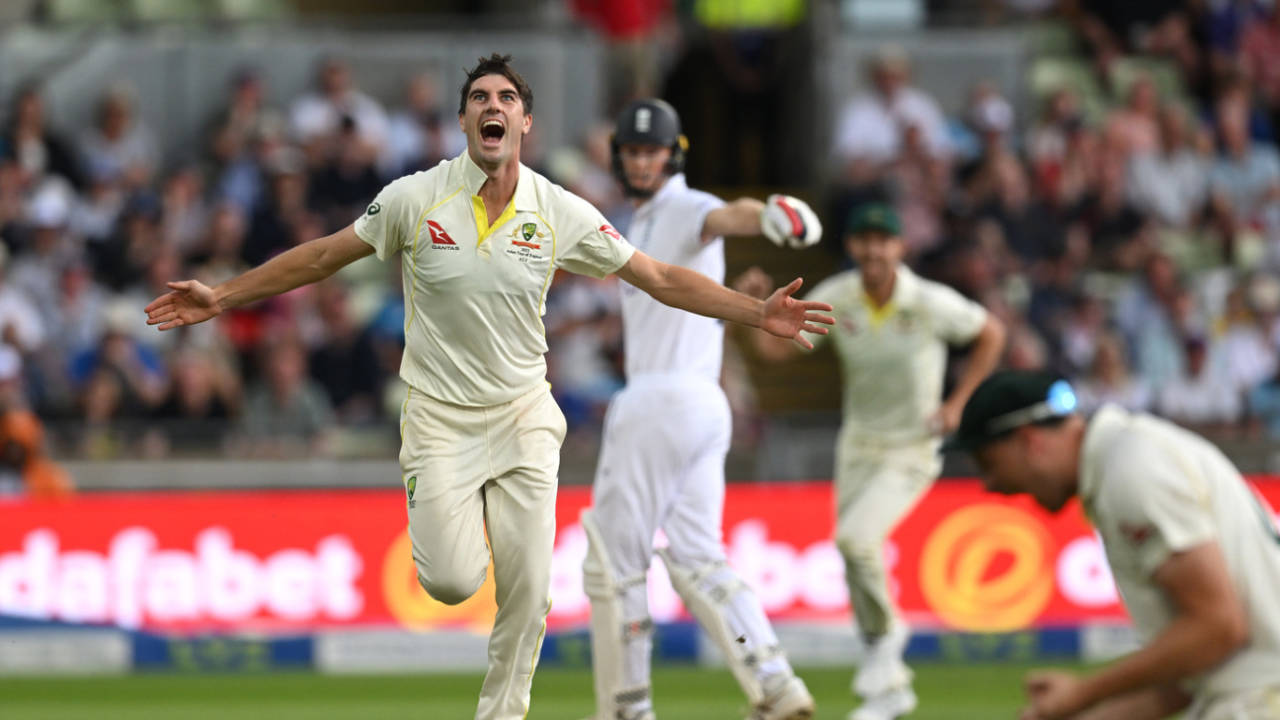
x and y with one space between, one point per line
1193 549
666 435
891 339
480 237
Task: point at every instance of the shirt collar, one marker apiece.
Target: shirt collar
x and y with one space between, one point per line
674 184
905 283
1100 426
473 178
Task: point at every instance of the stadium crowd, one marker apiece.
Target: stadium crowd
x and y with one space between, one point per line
1128 235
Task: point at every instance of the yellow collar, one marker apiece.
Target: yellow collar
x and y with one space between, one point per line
523 200
473 178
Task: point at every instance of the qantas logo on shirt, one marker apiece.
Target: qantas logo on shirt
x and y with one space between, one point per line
608 230
439 238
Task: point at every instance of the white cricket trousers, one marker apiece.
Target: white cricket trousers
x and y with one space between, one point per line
876 486
490 469
662 466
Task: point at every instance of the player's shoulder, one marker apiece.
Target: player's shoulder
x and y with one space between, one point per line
420 186
1121 444
558 204
677 187
845 284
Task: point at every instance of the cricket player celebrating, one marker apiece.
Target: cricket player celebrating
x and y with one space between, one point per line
669 473
480 237
1193 550
891 339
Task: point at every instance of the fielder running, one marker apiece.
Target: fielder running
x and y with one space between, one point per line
891 339
1193 549
480 237
669 473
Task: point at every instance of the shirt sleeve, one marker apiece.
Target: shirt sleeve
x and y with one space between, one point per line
696 206
1150 503
588 244
387 223
956 319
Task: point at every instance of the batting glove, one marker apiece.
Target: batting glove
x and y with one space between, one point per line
789 222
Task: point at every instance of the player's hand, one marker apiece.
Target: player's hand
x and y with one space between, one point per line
946 419
785 316
188 302
754 282
1054 695
789 222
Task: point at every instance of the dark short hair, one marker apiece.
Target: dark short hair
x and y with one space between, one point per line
496 64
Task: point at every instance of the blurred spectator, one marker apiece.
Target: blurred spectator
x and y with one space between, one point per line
25 468
584 334
870 129
1110 379
587 172
38 150
121 260
285 413
222 247
240 124
21 324
121 381
203 397
119 149
35 270
345 362
1170 185
1121 237
183 213
1260 59
1246 351
634 54
345 180
1085 322
1199 399
1245 177
1112 29
1047 141
336 109
1133 129
424 132
1225 24
271 224
990 117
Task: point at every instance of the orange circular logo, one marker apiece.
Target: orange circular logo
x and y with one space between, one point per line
987 568
415 609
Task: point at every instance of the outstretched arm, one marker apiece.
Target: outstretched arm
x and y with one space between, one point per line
679 287
740 218
785 220
987 348
189 301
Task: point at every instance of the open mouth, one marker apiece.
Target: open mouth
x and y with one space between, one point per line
492 131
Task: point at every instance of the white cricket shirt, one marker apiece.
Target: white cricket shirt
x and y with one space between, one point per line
475 294
658 338
1154 489
893 358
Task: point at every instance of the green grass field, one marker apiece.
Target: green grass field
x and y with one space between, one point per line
947 692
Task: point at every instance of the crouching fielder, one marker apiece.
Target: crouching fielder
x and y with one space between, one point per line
669 473
1194 551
